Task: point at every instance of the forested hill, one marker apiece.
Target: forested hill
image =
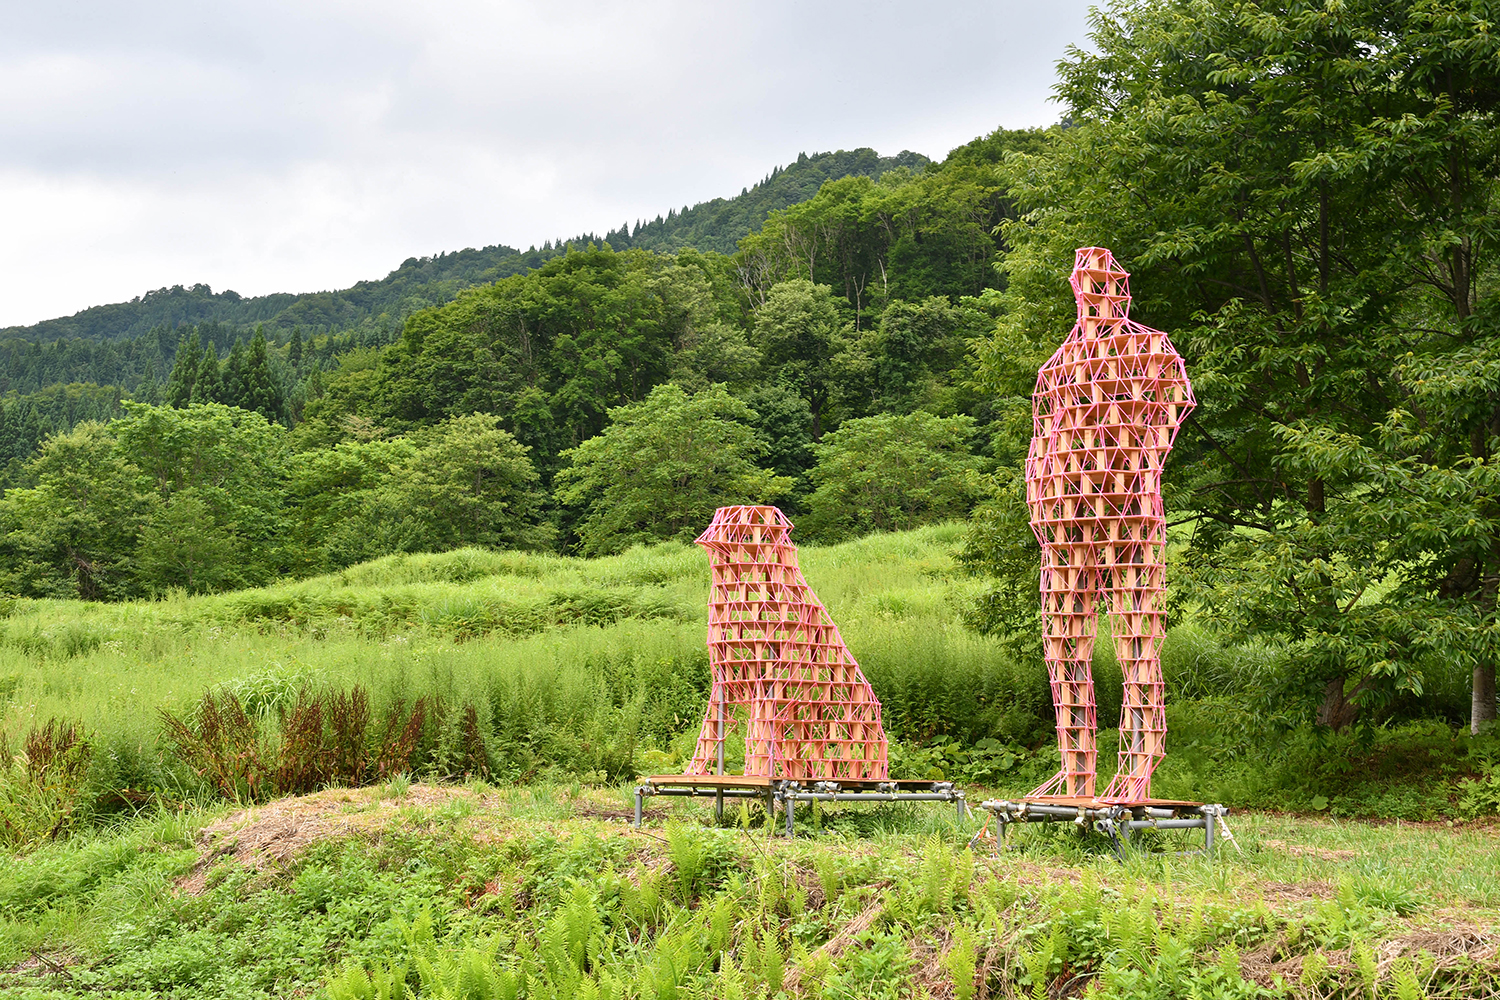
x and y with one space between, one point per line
416 284
382 305
719 225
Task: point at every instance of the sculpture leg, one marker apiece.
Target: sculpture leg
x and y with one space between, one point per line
1136 620
708 756
764 736
1068 645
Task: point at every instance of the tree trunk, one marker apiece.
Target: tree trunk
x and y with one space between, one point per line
1482 707
1337 711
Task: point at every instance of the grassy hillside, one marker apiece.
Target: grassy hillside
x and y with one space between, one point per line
478 892
573 667
550 683
458 622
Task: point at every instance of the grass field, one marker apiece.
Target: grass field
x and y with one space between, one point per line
455 623
543 668
477 892
508 870
587 668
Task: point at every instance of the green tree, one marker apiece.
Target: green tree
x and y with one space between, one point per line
72 535
208 387
890 473
704 311
181 545
1305 196
233 462
469 483
662 467
234 374
782 419
798 331
916 357
179 390
548 352
904 233
337 499
260 390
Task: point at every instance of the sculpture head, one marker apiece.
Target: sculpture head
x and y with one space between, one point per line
746 527
1101 287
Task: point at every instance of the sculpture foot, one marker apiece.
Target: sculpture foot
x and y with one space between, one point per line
1062 783
1128 788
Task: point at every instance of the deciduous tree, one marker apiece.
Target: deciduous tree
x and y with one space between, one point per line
662 466
1304 193
890 473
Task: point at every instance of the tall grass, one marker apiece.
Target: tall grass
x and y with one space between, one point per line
560 667
569 665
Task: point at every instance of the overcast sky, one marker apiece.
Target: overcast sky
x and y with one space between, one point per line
274 146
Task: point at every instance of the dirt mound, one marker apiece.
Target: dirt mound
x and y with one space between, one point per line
1297 892
275 833
1447 947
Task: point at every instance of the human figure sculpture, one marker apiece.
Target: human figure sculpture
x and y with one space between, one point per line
1107 408
774 650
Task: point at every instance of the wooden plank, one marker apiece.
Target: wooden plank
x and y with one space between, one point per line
1097 803
710 780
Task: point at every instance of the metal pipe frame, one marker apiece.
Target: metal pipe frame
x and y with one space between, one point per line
1116 821
870 797
789 793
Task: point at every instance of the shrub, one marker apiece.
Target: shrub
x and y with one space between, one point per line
323 738
40 787
661 467
222 745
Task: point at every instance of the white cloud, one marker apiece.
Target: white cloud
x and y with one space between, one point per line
291 147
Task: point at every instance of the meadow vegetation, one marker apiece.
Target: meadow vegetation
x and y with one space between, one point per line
339 584
529 666
474 891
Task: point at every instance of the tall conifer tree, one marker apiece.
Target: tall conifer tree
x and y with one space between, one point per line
209 387
234 374
184 370
261 391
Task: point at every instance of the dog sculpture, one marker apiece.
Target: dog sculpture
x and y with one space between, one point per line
774 651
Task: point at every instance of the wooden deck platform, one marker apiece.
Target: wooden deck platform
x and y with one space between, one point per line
767 781
1101 803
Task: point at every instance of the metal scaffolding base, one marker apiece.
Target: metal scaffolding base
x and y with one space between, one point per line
1116 820
786 793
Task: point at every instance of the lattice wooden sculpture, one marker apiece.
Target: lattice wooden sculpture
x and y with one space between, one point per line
774 650
1107 407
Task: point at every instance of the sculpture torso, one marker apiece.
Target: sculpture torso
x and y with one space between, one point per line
1106 411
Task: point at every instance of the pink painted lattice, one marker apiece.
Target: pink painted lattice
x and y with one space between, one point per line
775 652
1107 408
